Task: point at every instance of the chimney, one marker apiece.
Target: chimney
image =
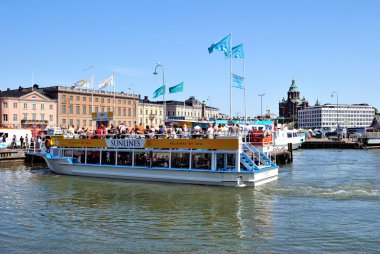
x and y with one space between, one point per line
203 114
146 98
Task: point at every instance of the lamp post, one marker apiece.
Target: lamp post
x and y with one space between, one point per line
131 86
163 83
337 113
261 98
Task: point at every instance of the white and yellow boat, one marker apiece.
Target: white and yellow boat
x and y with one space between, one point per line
226 162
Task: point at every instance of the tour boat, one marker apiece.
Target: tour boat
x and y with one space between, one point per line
227 161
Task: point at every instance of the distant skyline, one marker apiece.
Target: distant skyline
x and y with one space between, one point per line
325 45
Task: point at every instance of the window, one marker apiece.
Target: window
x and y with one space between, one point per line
129 102
15 117
108 100
129 112
96 109
5 104
5 117
42 106
77 109
84 123
42 116
71 122
84 98
119 111
78 98
90 109
125 101
71 98
33 106
63 97
96 99
63 109
108 109
119 101
64 121
102 100
15 105
84 109
25 105
78 122
103 109
124 112
33 116
71 109
90 99
51 118
25 116
51 107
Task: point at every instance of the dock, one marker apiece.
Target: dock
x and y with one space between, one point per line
325 143
11 154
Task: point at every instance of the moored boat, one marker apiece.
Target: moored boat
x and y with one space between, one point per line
227 162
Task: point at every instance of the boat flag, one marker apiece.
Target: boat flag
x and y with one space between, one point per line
222 45
237 52
177 88
83 83
159 91
106 82
237 81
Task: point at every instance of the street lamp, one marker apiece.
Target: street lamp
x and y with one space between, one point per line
261 98
131 86
337 114
163 83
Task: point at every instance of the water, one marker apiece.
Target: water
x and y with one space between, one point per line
327 201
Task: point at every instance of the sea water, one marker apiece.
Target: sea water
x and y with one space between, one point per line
326 201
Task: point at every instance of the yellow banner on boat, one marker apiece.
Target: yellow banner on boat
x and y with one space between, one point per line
220 144
93 143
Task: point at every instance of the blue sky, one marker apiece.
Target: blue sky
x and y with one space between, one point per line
328 45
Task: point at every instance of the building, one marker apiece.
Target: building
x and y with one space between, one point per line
76 105
64 106
27 108
289 108
325 116
151 112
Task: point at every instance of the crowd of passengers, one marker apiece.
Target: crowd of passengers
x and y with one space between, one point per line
171 131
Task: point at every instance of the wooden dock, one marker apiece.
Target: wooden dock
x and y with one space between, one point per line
11 154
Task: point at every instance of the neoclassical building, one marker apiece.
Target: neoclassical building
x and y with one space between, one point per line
289 108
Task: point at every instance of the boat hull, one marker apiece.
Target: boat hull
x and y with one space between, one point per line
222 178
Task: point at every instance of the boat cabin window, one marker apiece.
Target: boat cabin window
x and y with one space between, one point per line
142 159
225 161
93 157
67 153
201 161
78 156
108 157
289 134
124 158
160 160
180 160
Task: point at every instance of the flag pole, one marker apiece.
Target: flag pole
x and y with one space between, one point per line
245 105
230 75
163 82
114 94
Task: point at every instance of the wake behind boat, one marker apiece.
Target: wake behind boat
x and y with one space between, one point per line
227 161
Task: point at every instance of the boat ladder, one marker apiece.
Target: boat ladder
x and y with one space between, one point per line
249 147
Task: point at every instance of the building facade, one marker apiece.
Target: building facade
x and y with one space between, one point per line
76 105
151 112
288 109
27 108
325 116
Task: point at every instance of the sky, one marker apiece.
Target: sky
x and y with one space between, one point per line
326 45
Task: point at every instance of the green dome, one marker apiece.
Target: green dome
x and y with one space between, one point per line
293 88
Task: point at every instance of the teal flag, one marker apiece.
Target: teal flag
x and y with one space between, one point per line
222 45
176 89
237 52
237 81
159 91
